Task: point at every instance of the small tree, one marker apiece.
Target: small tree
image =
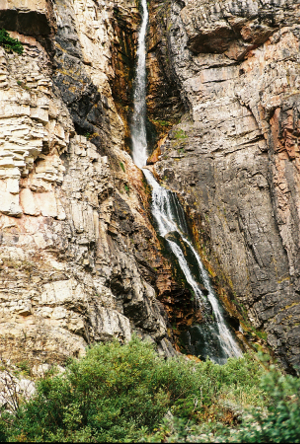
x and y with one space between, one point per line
9 43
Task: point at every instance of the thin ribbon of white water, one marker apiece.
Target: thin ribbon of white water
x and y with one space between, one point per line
138 129
169 215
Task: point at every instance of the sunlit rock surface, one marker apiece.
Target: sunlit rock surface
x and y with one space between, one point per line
79 259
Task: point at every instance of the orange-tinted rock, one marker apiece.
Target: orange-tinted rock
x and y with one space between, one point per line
154 156
193 358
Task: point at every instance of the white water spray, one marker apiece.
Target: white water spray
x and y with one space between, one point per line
170 218
138 129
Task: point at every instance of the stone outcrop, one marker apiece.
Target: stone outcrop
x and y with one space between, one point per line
79 260
234 157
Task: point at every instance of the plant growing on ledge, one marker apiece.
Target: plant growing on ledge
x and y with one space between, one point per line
9 43
162 122
180 134
122 166
87 135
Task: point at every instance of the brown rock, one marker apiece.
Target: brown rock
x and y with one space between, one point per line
154 156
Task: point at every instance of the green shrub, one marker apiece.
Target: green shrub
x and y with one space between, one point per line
10 44
114 393
280 422
129 393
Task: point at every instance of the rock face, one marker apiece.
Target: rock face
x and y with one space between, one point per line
234 157
80 261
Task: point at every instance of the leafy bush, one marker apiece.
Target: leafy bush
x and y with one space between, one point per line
10 44
129 393
280 423
114 393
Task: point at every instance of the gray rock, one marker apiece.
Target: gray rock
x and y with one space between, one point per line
233 159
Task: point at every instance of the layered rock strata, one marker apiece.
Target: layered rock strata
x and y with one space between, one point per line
234 157
80 261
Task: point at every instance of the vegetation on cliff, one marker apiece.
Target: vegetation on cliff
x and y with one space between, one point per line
9 43
129 393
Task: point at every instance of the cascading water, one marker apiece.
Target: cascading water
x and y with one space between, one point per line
212 338
138 128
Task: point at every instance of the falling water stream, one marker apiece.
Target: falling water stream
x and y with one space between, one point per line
213 337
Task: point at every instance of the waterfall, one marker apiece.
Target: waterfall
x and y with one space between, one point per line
213 338
138 128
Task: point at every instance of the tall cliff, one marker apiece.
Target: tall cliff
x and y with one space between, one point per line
80 261
233 158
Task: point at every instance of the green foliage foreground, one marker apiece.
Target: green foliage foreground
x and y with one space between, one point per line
129 393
